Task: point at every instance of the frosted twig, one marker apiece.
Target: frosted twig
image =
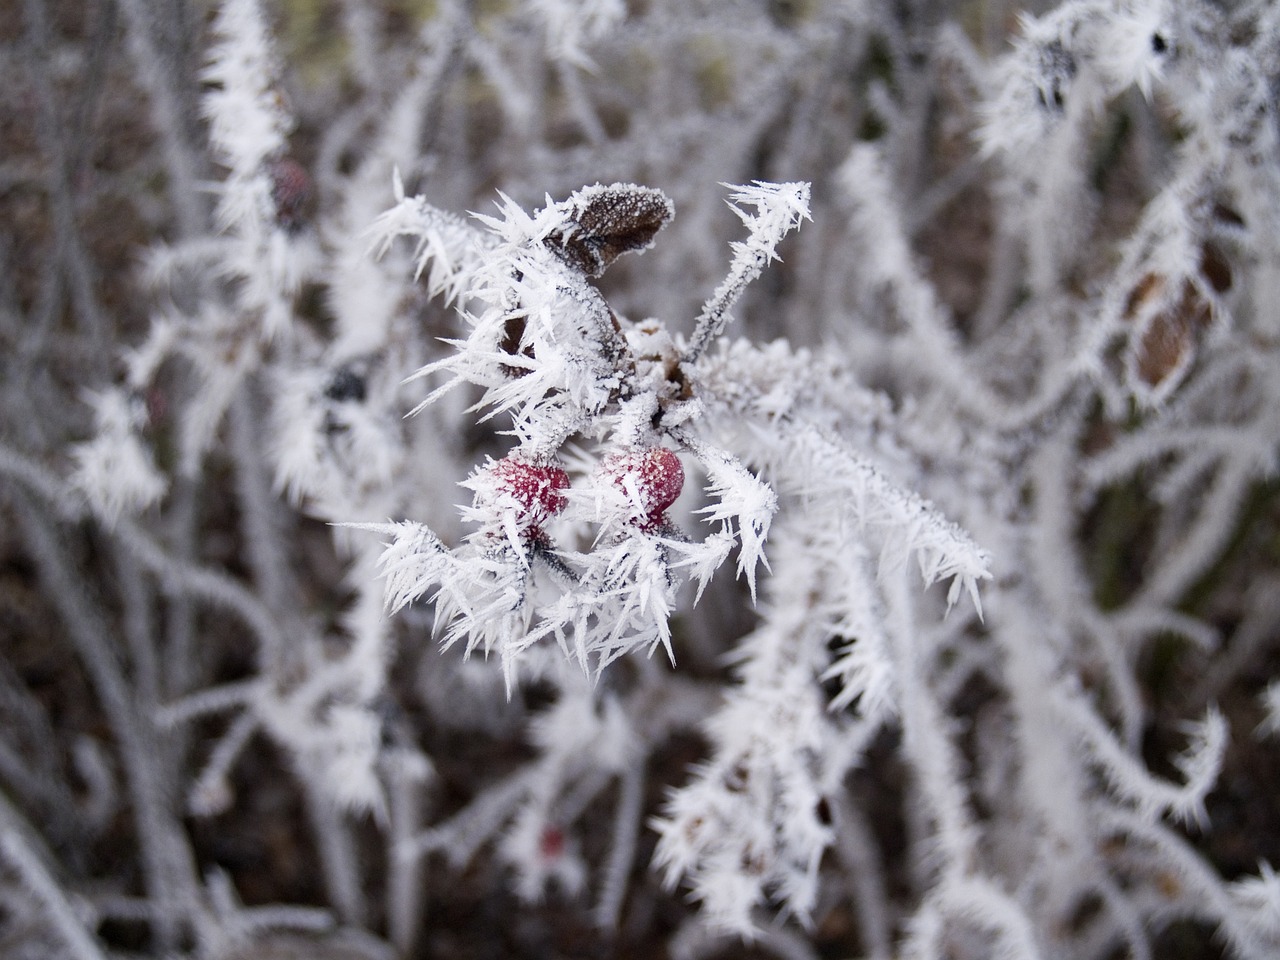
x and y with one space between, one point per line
780 208
36 878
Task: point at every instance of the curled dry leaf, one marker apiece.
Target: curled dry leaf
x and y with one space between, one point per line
1167 342
606 222
1168 328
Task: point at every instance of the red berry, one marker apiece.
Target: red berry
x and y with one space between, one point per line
657 475
551 843
535 488
290 192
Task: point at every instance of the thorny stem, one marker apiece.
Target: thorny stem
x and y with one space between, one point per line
406 890
336 846
170 870
70 261
857 848
261 524
714 318
622 848
23 857
167 113
925 738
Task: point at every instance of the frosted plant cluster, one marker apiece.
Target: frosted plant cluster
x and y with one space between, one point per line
676 478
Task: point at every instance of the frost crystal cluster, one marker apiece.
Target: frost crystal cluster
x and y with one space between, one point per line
598 478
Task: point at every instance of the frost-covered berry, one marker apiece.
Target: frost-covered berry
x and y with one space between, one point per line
290 192
653 476
551 843
535 490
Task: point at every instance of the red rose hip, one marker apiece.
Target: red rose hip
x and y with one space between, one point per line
551 842
534 489
658 478
290 192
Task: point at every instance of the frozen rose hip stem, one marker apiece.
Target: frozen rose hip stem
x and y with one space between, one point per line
652 477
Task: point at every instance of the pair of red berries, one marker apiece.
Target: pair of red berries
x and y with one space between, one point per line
653 475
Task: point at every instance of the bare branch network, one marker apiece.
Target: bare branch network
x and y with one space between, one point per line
578 478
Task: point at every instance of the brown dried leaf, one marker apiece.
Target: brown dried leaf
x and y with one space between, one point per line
606 222
1168 341
1148 288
